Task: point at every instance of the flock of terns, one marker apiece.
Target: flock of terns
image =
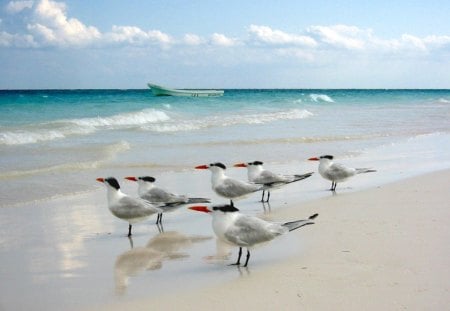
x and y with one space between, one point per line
228 223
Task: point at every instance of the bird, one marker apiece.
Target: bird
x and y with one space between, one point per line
336 172
122 206
242 230
258 175
149 192
227 187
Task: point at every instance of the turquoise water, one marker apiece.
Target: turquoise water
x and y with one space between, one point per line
45 133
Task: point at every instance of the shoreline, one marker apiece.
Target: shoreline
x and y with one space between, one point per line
379 249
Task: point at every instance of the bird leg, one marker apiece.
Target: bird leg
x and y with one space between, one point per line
238 262
248 257
129 230
262 197
268 196
159 218
333 186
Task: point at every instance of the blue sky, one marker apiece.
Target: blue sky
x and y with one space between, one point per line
224 44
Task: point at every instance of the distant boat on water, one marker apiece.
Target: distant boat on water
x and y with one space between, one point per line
158 90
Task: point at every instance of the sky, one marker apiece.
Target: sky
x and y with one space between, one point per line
117 44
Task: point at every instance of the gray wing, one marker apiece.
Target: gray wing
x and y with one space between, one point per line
248 231
233 188
267 177
130 208
159 195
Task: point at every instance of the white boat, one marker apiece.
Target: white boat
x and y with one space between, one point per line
158 90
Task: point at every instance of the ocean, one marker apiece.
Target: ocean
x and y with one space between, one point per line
80 134
57 235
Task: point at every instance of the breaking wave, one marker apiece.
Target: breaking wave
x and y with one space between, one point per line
321 98
147 120
63 128
223 121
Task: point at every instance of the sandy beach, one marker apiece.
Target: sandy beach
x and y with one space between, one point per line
379 249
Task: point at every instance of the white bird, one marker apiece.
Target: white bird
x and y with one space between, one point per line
247 231
336 172
227 187
258 175
122 206
149 192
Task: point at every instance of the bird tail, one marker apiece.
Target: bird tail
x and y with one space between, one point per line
292 225
294 179
198 200
364 170
301 177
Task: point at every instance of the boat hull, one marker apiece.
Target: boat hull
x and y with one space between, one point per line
164 91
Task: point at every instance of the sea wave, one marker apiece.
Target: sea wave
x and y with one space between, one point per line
62 128
444 100
224 121
321 98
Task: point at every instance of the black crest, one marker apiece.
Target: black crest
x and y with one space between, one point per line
256 163
329 157
148 178
225 208
218 164
113 182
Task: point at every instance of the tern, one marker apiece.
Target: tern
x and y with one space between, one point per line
258 175
122 206
336 172
227 187
247 231
149 192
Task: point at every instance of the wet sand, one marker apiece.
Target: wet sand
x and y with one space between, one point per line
384 248
380 248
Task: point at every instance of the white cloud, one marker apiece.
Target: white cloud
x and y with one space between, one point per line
193 39
135 35
18 6
437 41
16 40
265 34
48 24
341 36
222 40
52 27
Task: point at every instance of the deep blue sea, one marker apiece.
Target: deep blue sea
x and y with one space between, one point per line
61 248
82 133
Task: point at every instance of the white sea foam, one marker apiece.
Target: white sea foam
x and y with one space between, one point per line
444 100
223 121
123 120
21 137
321 97
62 128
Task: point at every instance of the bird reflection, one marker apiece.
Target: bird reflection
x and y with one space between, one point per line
223 252
266 207
162 247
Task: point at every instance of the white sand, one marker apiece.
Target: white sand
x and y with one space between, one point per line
380 249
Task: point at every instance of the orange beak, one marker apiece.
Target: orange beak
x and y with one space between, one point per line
200 208
202 167
314 159
100 179
132 178
240 165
